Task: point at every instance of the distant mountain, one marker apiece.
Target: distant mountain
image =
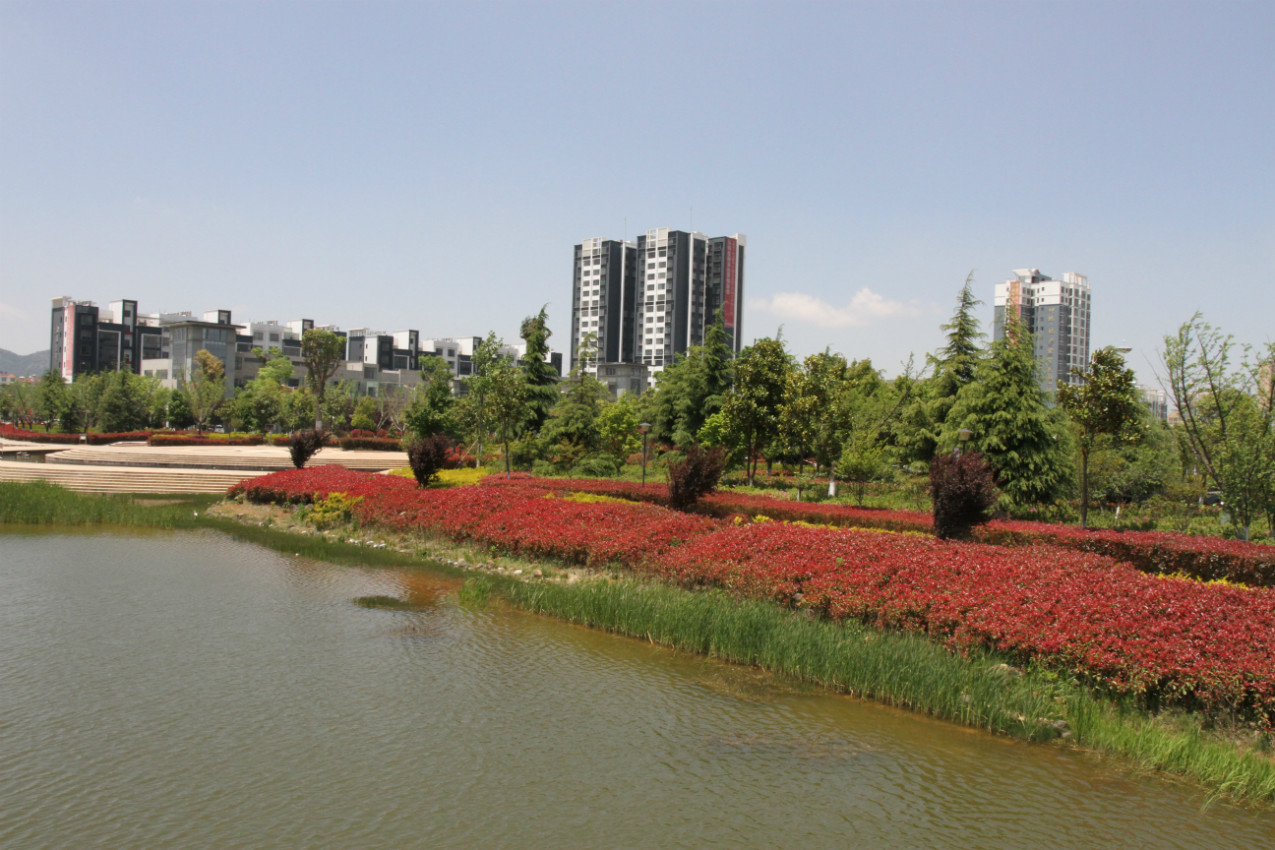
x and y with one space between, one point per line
24 364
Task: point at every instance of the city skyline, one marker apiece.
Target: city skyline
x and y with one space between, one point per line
387 159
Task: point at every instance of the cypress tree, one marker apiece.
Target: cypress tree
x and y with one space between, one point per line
1004 408
541 377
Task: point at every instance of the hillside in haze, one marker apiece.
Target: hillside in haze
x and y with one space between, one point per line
24 364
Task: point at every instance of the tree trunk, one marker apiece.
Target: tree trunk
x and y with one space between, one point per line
750 463
505 436
1084 488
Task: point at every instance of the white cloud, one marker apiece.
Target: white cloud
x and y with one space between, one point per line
8 312
865 308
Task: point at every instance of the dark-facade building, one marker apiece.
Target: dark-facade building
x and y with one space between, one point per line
399 350
604 301
646 302
84 338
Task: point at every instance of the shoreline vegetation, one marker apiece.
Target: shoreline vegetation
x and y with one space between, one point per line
977 687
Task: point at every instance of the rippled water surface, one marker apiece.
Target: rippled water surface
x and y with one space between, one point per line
188 690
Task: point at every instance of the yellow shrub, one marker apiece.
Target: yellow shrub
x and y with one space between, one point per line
459 477
588 498
446 477
332 509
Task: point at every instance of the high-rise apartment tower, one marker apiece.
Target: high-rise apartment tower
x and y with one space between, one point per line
1056 312
648 301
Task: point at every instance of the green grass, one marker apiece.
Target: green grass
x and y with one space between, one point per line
41 503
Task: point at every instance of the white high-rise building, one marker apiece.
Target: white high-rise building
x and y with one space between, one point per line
1056 312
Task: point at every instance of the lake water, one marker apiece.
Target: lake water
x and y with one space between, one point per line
191 690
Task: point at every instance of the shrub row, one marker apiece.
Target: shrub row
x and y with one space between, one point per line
1156 552
206 440
94 439
376 444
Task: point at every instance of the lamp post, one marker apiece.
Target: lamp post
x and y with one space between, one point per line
963 436
643 428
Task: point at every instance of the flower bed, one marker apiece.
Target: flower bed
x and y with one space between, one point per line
523 520
1157 552
304 485
1183 642
1205 558
723 504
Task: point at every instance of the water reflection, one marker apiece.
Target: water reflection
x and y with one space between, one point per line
189 690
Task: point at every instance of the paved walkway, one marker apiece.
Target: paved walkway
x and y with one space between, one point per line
138 468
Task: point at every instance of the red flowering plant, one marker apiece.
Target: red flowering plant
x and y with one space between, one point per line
1202 646
1151 551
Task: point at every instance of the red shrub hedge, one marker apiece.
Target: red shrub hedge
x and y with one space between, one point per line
206 440
377 444
1178 641
94 439
1156 552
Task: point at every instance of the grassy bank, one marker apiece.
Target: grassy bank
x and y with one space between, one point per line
41 503
980 689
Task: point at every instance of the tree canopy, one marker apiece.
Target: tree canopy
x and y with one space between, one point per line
1105 403
1226 412
1004 408
322 352
753 407
541 377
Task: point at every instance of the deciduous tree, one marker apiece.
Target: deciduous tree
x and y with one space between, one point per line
476 408
205 390
1226 413
53 401
322 351
753 406
1105 403
617 425
507 399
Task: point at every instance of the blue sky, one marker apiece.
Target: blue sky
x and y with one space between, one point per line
408 164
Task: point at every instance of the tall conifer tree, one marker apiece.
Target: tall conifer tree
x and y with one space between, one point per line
1004 409
541 377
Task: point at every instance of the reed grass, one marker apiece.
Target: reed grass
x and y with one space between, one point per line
42 503
334 549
